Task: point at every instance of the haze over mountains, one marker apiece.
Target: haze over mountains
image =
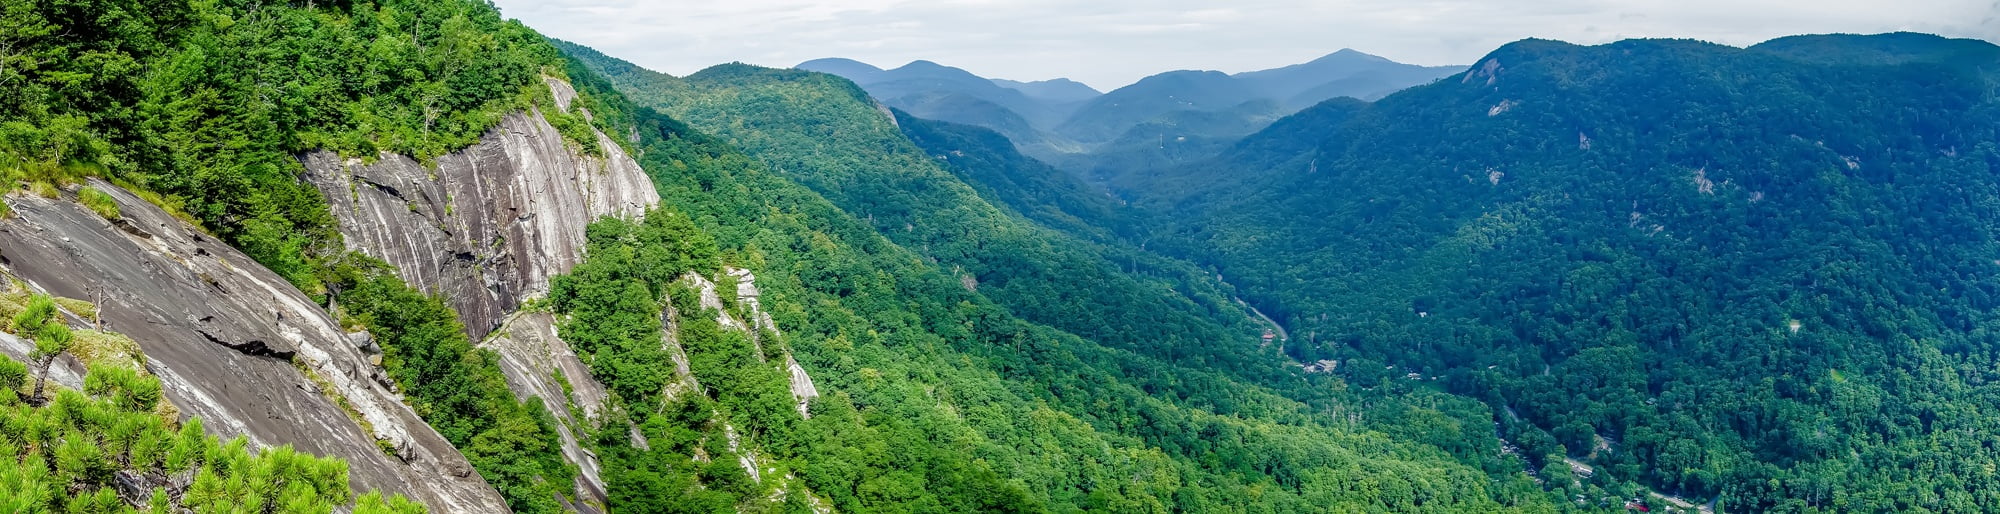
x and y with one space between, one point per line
409 256
1059 120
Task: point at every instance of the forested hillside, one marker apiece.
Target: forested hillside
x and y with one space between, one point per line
1163 121
937 398
1763 275
201 108
984 160
966 358
1657 271
826 134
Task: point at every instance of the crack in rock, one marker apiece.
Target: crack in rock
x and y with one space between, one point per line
253 348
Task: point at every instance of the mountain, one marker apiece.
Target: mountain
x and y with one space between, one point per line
1168 142
1343 73
197 280
944 93
1760 276
910 85
849 68
1883 49
1053 90
988 162
407 255
1162 120
1091 328
1108 116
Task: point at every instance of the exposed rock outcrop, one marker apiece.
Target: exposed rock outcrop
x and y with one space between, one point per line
234 344
487 229
802 385
747 295
492 222
531 357
711 299
683 381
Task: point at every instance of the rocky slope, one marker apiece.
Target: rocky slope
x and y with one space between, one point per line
203 311
490 226
539 364
493 221
486 230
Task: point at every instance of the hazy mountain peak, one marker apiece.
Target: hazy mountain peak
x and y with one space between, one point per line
844 67
1056 89
1350 54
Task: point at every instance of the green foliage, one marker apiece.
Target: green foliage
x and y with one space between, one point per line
575 128
988 162
612 299
13 375
44 190
613 306
42 323
936 397
825 134
1610 245
374 503
64 456
98 202
36 315
458 389
208 102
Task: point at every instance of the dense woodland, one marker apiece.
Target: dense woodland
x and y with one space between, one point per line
1757 276
824 133
925 373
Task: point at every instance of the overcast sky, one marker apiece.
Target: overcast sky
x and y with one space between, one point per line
1110 43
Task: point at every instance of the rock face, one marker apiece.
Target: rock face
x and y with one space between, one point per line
234 344
490 226
756 327
492 222
530 357
802 385
747 294
487 229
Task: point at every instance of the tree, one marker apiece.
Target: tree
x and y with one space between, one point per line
41 321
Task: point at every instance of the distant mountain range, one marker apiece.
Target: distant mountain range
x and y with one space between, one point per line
1064 121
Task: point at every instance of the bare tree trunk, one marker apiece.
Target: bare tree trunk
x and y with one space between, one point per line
41 380
98 320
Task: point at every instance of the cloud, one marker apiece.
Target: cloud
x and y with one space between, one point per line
1109 43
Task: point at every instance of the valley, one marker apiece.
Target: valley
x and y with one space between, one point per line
415 256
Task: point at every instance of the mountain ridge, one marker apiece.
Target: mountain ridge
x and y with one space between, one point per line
407 256
1617 241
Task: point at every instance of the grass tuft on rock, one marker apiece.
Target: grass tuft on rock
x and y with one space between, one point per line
98 202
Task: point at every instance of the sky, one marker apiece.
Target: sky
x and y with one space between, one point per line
1111 43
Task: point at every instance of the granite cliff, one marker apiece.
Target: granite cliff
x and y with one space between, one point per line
234 344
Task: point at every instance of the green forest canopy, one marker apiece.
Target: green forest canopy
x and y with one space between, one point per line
1762 274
